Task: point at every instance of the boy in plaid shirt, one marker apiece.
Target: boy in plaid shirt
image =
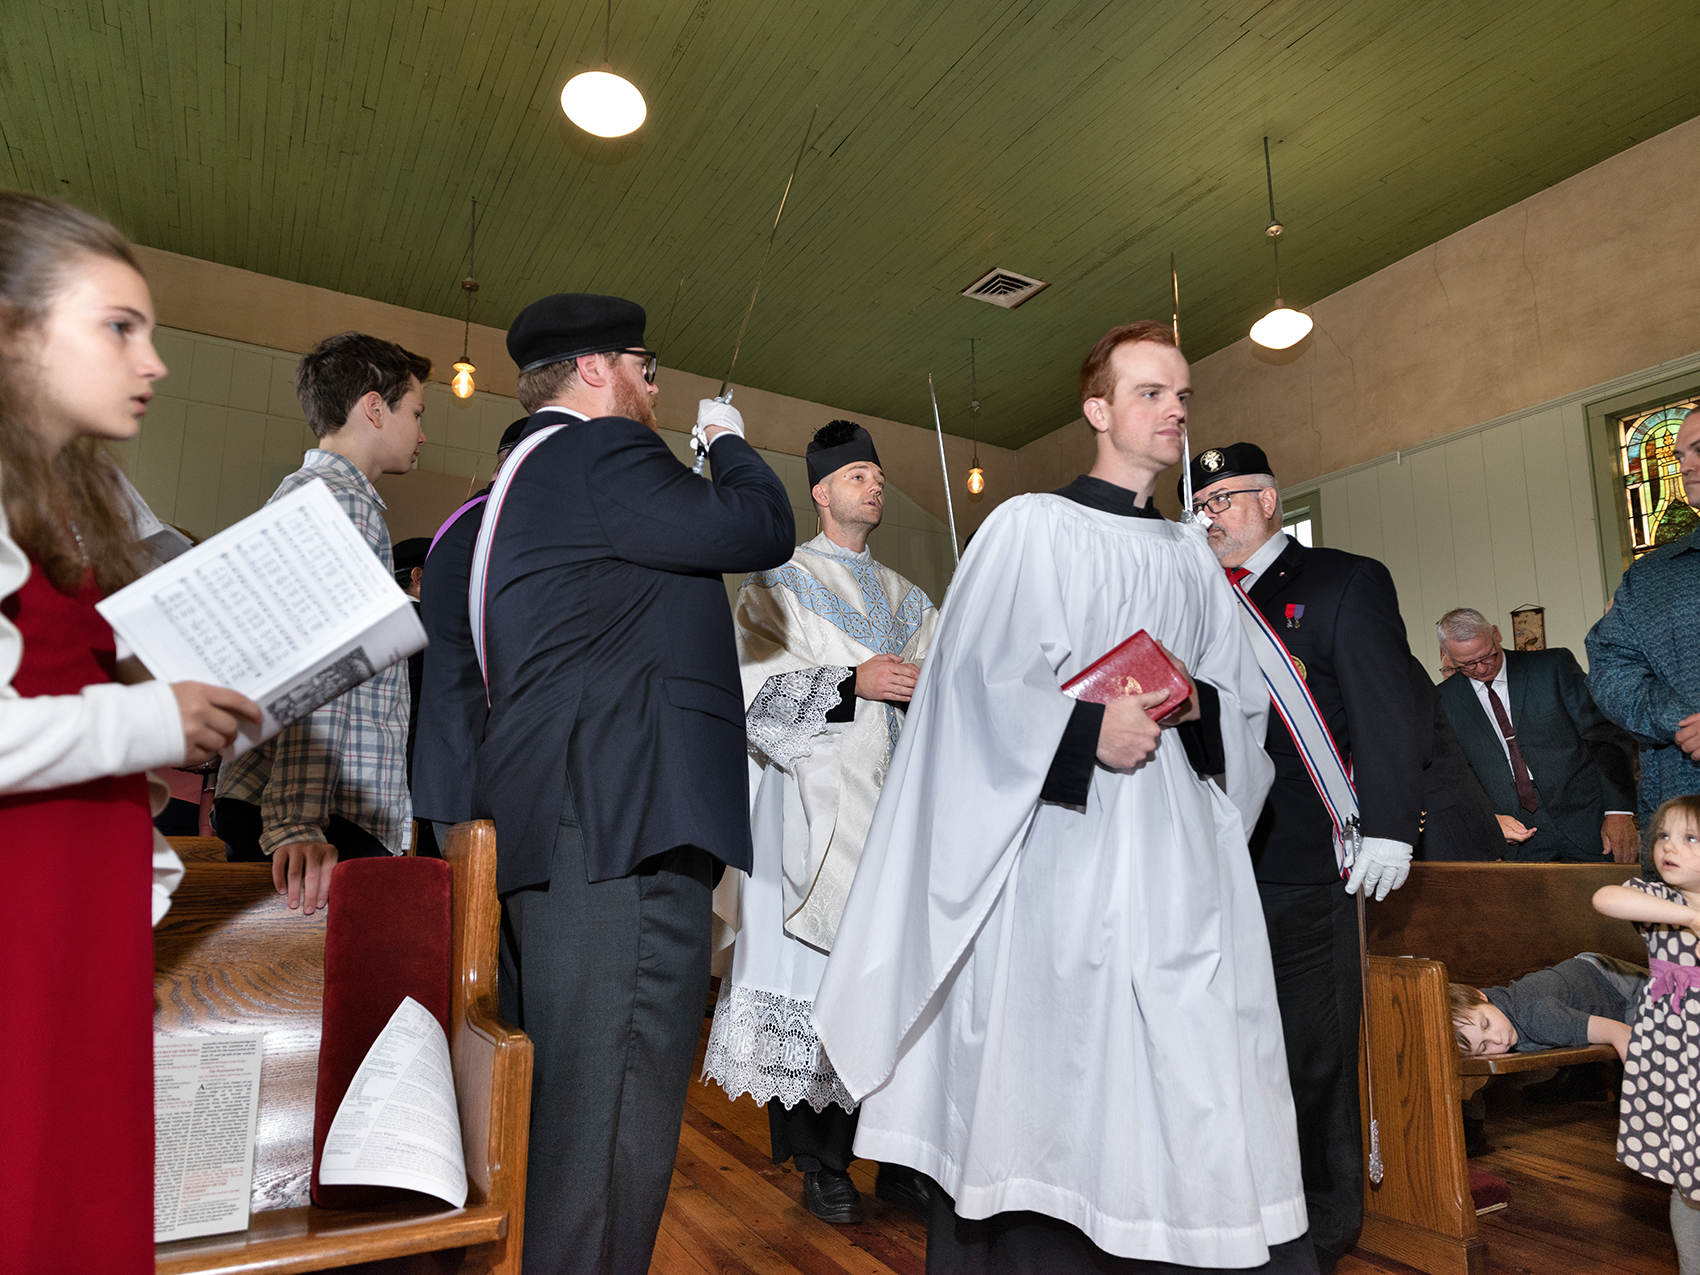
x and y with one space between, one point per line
334 784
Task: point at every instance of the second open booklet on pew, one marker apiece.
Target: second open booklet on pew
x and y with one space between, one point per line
290 606
398 1124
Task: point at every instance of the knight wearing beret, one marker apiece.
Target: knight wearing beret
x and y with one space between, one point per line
830 646
1336 615
613 758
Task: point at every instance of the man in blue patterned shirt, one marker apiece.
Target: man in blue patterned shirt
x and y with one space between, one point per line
334 784
1642 672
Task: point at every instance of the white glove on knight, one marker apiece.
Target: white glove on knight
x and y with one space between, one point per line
1382 866
711 414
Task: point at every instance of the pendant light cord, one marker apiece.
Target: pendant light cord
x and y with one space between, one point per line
1273 230
608 36
974 399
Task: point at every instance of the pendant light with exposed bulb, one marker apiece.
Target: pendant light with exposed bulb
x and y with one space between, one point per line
601 102
976 475
1281 327
461 383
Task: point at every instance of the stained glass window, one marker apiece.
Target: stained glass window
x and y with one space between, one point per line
1654 509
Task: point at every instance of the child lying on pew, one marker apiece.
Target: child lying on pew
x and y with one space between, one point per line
1587 1000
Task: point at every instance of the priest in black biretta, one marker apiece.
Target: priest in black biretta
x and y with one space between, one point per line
837 444
613 759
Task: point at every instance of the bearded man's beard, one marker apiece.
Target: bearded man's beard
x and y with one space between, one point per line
633 401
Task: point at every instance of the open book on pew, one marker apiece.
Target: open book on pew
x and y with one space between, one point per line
398 1125
289 606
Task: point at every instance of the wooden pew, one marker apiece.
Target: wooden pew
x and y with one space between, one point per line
230 957
1483 924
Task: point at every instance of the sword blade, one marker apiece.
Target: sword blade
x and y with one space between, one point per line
949 505
772 234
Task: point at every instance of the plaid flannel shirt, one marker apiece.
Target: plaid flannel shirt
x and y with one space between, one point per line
348 757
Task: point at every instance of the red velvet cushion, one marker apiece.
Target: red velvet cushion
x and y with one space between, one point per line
386 938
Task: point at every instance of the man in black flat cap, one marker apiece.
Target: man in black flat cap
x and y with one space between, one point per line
1338 616
450 707
613 758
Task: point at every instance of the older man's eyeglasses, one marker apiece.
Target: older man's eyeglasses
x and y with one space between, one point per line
1217 502
651 360
1464 666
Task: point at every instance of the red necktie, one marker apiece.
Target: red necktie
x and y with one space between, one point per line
1236 574
1526 796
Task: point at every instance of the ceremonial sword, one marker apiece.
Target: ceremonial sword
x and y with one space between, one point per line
1187 515
949 505
725 394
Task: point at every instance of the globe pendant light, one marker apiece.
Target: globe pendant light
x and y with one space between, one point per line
1281 327
976 475
462 384
600 102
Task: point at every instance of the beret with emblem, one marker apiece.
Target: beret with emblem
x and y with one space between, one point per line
1216 463
569 324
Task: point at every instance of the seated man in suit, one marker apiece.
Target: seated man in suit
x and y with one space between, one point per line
1560 775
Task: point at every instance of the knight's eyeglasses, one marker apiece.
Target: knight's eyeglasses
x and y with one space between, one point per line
1218 501
651 360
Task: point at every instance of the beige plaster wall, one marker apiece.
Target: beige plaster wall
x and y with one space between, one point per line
1590 280
203 297
224 429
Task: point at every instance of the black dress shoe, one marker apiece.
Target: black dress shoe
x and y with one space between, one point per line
832 1197
899 1184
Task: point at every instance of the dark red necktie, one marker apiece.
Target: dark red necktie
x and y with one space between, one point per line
1526 795
1236 574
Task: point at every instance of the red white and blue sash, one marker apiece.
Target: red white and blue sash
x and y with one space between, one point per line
487 537
1309 729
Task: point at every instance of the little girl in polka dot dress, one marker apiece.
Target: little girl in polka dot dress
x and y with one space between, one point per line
1658 1123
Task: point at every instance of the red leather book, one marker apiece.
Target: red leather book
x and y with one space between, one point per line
1136 666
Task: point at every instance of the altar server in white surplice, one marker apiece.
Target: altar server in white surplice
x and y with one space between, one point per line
829 646
1051 988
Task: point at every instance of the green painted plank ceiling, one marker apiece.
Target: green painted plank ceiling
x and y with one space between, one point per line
338 143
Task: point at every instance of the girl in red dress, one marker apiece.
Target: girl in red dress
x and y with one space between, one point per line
76 1075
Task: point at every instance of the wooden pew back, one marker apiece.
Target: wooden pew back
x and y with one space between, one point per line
1479 923
230 957
1492 922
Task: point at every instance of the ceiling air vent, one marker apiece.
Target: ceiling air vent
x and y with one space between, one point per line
1005 288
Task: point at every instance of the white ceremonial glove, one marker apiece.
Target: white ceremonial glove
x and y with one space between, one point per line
1382 866
712 414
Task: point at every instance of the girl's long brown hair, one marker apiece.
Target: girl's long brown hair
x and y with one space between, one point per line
52 501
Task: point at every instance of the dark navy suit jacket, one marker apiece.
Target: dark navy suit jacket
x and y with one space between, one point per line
1582 764
449 715
610 650
1357 663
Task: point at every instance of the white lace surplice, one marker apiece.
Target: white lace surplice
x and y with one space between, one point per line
802 629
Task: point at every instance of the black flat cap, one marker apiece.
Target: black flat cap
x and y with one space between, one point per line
837 444
569 324
411 553
1216 463
511 434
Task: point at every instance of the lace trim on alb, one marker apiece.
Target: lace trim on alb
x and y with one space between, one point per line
790 710
763 1044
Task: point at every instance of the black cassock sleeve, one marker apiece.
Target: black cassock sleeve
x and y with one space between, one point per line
1070 776
845 709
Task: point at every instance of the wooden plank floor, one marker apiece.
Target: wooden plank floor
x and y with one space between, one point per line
1574 1210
